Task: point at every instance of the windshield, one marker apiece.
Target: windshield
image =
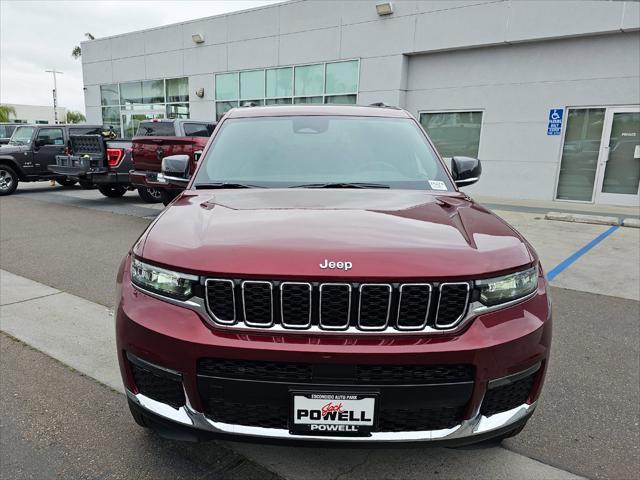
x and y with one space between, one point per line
22 136
317 151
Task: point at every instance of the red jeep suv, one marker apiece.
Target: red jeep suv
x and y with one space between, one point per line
322 278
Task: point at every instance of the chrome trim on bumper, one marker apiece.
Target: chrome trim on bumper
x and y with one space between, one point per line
189 417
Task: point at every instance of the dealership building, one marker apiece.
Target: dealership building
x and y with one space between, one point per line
545 94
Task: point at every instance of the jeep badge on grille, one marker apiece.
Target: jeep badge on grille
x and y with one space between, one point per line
336 265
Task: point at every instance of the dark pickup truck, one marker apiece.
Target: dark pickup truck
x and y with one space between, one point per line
156 139
6 130
99 161
32 149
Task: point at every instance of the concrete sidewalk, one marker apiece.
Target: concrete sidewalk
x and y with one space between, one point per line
80 334
544 206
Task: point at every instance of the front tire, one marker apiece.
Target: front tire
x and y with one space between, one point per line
8 180
150 195
112 191
137 416
168 196
66 182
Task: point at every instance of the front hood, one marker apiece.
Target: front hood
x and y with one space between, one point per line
289 233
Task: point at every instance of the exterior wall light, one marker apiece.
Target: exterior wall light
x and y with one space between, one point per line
384 9
200 92
197 38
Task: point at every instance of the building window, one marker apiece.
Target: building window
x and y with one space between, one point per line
109 94
125 105
454 133
580 153
177 90
334 82
279 82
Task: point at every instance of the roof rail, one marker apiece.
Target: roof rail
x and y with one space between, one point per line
383 105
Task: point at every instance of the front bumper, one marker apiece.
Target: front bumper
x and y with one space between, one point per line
98 176
147 179
196 425
500 346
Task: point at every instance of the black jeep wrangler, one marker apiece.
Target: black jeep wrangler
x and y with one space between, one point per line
32 149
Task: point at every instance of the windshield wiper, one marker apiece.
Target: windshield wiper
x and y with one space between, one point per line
341 185
222 185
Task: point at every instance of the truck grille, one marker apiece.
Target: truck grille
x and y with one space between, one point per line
337 306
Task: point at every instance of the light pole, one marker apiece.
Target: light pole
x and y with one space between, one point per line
55 94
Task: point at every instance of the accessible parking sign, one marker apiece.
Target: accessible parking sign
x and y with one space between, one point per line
555 121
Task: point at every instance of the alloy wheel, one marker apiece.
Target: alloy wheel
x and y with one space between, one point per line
6 180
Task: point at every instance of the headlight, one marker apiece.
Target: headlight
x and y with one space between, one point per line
494 291
162 281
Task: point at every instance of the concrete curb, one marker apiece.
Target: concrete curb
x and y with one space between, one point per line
631 222
580 218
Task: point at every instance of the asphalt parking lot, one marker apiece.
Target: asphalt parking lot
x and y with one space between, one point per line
71 242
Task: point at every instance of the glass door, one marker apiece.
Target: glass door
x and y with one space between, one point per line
619 159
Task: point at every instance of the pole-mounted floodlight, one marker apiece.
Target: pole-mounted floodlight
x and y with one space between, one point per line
55 94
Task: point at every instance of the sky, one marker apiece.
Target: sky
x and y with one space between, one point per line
39 35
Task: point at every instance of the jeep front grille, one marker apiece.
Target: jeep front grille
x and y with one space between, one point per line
374 307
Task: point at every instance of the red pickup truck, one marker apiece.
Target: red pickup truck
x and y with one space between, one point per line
323 279
156 139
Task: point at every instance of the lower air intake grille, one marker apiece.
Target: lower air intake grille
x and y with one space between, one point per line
414 374
252 414
412 420
506 397
158 387
358 374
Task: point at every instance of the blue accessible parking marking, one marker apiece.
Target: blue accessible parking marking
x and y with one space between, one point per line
555 271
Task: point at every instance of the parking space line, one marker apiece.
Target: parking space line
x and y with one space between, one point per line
555 271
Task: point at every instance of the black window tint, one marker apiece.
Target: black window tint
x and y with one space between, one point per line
156 129
51 136
198 129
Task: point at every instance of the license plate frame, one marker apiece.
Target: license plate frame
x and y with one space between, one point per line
360 422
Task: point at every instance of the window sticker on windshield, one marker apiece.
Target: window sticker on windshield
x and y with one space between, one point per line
437 185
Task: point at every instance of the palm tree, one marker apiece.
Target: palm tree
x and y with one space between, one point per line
5 112
77 51
75 117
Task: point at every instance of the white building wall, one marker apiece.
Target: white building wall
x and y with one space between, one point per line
37 113
514 59
516 86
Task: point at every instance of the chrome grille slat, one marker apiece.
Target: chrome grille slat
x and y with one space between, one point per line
447 308
335 307
370 302
215 293
328 314
408 302
293 309
258 308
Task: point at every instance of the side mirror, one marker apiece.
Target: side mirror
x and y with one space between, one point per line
40 142
175 170
465 170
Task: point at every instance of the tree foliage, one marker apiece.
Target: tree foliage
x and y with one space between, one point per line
75 117
76 52
5 112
